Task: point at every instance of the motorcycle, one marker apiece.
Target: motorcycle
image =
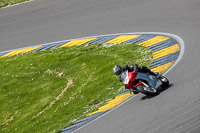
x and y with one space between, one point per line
145 83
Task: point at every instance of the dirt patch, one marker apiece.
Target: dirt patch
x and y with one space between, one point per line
88 80
9 119
70 82
58 74
83 66
49 71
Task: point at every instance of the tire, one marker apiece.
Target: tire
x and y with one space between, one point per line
141 89
165 81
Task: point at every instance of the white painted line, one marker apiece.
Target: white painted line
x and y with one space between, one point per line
106 113
182 47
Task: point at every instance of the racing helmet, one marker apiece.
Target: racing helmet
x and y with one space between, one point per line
117 70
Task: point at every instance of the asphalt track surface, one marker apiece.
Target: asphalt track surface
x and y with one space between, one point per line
175 110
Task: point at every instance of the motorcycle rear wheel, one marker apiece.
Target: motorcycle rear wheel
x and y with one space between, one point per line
141 89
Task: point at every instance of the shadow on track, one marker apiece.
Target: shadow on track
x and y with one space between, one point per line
160 91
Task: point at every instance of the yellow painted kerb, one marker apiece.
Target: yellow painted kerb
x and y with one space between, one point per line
163 68
153 41
76 42
113 103
20 51
121 39
166 51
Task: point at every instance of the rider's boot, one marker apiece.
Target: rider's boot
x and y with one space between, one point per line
134 91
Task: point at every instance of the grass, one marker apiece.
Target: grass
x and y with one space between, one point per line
4 3
46 91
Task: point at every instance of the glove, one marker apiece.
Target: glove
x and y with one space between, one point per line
136 66
126 87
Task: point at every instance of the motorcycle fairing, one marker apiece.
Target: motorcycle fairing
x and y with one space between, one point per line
150 79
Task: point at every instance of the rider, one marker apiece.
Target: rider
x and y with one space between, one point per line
118 70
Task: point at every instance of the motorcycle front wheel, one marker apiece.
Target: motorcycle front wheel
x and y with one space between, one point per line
165 81
146 90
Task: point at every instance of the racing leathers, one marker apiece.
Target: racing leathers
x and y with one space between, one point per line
133 68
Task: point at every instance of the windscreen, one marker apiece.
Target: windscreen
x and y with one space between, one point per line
124 77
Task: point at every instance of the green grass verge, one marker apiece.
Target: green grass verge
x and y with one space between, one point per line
34 94
4 3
